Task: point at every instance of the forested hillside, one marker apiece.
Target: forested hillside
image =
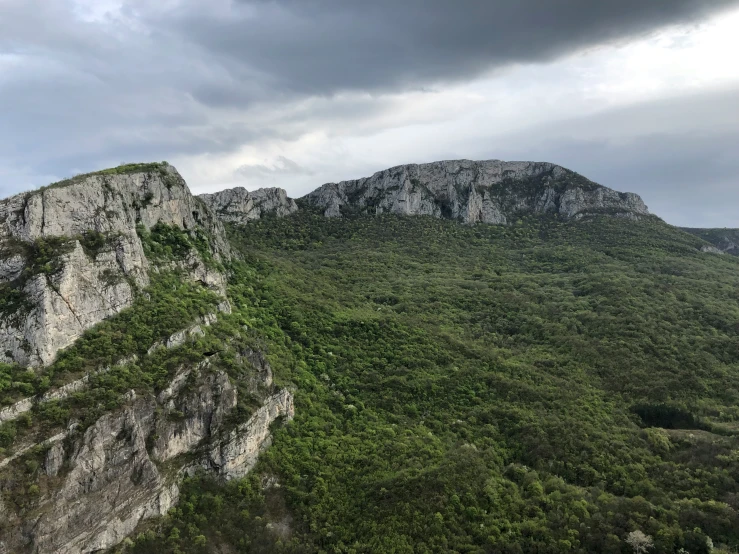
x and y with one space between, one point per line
547 386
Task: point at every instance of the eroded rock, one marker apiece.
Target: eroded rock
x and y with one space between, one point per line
476 192
239 205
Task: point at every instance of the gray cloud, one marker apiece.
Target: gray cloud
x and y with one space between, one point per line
324 46
678 154
262 172
152 81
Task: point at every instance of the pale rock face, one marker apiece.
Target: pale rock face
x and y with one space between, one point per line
236 455
262 376
86 290
239 205
110 478
178 437
491 191
54 459
107 204
82 293
723 241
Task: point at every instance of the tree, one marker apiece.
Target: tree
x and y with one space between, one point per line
639 542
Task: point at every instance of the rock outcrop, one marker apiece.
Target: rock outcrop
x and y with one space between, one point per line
72 255
488 192
127 466
239 205
235 455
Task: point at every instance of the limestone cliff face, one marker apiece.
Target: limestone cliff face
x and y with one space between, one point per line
239 205
487 191
80 288
126 468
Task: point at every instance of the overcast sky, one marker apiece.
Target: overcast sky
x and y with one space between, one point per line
637 95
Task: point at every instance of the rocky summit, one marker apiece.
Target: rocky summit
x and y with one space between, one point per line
238 205
129 240
491 191
90 222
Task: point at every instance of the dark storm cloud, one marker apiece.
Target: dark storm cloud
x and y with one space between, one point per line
324 46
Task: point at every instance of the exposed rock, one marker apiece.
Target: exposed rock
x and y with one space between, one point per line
108 204
113 476
20 450
13 411
192 332
187 424
86 287
711 250
199 272
54 459
237 453
263 373
63 304
239 205
24 405
488 192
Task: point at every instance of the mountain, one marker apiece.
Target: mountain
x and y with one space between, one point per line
488 192
237 372
723 240
238 205
71 255
125 367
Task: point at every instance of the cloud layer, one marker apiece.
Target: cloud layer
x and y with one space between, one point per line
291 92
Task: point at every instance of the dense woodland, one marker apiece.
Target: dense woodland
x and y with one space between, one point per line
545 387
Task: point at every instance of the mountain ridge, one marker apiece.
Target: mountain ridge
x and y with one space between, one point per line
489 191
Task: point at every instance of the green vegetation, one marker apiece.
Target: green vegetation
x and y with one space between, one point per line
545 387
167 304
167 243
210 514
123 169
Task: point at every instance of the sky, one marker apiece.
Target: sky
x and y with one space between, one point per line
638 96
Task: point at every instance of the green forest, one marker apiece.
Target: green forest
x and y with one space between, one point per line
543 387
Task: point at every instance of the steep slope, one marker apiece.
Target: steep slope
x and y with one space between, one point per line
238 205
71 255
487 191
548 386
724 240
115 288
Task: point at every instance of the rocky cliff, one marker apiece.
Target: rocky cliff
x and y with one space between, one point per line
80 251
488 191
98 485
70 254
239 205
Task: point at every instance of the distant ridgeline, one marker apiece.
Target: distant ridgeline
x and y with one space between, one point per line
559 373
723 240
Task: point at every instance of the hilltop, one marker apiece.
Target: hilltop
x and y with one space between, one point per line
491 191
